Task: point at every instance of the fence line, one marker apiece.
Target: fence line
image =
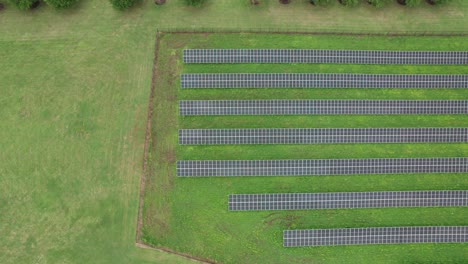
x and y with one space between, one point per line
308 31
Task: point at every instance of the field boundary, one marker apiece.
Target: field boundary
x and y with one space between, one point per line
147 142
138 242
300 31
141 244
161 31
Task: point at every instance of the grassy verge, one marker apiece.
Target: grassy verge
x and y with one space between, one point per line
72 129
190 215
74 86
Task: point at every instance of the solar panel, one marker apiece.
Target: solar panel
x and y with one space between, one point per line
324 56
321 135
346 200
321 80
224 168
375 235
322 107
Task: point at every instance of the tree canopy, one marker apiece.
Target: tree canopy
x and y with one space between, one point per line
412 3
438 2
122 4
350 2
378 3
22 4
60 3
319 2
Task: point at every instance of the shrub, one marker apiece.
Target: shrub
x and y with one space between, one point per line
377 3
22 4
194 2
2 6
60 3
438 2
320 2
412 3
122 4
349 2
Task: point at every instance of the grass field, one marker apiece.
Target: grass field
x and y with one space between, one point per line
191 215
74 88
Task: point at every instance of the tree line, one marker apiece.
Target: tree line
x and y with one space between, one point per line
30 4
62 4
380 3
124 4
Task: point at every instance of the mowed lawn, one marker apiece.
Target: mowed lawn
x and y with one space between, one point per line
74 88
71 150
190 214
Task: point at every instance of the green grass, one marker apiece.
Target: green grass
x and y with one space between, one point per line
191 215
74 88
71 150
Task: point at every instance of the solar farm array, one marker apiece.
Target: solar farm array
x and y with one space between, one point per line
375 235
311 201
344 200
321 80
231 168
321 135
321 107
324 56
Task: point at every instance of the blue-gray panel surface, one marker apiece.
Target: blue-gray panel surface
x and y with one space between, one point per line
321 107
324 56
346 200
321 136
375 235
225 168
320 80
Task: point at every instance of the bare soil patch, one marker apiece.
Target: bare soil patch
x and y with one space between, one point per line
288 220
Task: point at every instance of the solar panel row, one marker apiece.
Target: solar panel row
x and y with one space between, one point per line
324 56
210 168
321 80
321 135
375 235
322 107
301 201
346 200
